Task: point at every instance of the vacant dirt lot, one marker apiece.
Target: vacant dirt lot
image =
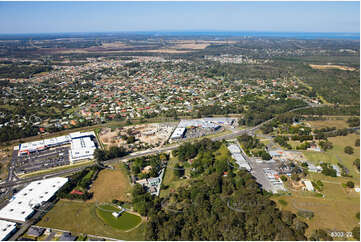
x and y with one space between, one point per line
152 134
111 184
323 67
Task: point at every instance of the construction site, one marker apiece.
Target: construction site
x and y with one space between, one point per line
137 137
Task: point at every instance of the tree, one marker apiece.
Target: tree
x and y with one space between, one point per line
295 177
265 155
178 170
348 150
357 163
99 155
326 145
328 170
135 169
221 166
284 178
350 184
131 139
356 233
357 142
353 121
320 234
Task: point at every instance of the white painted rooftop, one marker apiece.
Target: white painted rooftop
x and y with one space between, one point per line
21 205
178 133
308 185
6 228
237 155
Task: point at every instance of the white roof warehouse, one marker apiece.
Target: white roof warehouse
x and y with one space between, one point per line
6 229
22 204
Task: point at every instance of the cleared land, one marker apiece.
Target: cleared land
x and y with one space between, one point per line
337 154
111 184
323 67
337 209
80 217
125 221
339 124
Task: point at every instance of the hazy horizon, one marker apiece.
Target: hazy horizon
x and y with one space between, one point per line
102 17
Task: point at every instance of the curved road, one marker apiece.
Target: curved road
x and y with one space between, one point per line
9 183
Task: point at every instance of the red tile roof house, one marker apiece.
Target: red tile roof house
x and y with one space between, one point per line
77 192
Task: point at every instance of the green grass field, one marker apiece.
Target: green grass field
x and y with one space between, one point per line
81 217
170 179
125 221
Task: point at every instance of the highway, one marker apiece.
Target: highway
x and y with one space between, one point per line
11 181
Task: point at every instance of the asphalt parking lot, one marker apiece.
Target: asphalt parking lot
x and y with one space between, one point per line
199 132
41 160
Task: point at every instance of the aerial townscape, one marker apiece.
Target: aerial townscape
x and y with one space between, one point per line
178 135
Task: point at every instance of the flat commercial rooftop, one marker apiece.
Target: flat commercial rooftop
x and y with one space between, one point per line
22 204
56 141
184 123
82 148
178 133
6 228
237 155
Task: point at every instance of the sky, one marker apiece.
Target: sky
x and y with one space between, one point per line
55 17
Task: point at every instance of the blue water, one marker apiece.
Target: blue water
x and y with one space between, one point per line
295 35
292 35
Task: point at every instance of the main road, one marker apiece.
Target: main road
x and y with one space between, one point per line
9 183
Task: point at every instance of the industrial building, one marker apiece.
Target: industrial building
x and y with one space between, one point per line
208 125
23 204
275 180
6 229
221 121
201 123
237 155
178 133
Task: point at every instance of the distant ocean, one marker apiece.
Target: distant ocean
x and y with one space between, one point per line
296 35
293 35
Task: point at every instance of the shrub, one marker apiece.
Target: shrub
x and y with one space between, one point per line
348 150
282 202
284 178
357 142
350 184
356 233
357 163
